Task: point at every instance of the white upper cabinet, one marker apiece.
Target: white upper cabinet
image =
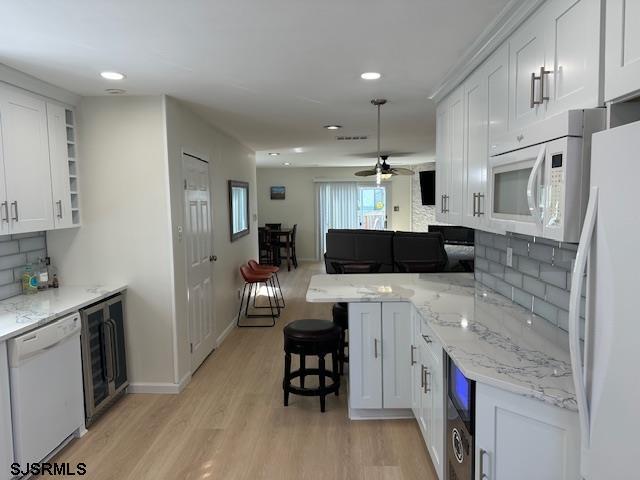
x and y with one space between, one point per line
475 148
58 157
442 160
450 158
572 55
456 166
526 50
497 72
622 49
555 59
25 150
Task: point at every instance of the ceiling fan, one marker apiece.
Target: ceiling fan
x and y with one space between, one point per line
382 170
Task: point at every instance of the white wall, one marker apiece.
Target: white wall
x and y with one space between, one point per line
229 160
125 234
299 205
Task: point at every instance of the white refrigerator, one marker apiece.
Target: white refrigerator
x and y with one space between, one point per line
606 369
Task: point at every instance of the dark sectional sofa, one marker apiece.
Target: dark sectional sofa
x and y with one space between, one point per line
397 251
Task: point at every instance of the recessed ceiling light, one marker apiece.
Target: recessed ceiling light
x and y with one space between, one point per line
370 76
286 164
274 154
112 75
298 150
332 127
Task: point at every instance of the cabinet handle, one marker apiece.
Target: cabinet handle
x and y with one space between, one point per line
474 204
5 217
480 195
422 377
446 203
441 203
482 453
532 98
543 73
413 362
14 206
427 338
427 388
59 203
375 348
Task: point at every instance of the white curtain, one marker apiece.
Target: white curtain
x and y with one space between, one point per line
337 208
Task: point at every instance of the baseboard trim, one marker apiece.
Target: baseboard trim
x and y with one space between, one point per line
160 388
380 413
225 333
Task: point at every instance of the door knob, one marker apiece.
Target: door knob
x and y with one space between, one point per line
213 258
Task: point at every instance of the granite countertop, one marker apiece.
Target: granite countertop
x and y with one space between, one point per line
491 339
26 312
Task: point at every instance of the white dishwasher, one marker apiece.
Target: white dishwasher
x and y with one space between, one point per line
47 403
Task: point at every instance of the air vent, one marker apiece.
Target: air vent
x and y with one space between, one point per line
355 137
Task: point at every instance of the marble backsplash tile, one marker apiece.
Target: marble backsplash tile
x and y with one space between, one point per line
16 251
539 278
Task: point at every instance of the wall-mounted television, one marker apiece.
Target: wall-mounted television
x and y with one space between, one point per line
428 187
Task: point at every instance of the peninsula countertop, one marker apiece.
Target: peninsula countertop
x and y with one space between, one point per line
491 339
25 312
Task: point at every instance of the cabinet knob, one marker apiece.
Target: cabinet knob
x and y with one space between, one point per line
213 258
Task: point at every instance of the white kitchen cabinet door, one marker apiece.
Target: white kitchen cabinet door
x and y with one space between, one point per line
6 438
572 55
475 148
497 73
435 385
365 355
456 164
416 378
524 438
58 159
26 161
443 143
426 404
396 354
526 52
622 49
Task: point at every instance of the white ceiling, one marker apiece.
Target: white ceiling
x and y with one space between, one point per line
269 72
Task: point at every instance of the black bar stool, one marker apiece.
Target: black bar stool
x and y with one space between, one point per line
341 319
311 337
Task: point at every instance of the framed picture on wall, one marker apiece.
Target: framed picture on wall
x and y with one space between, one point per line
277 193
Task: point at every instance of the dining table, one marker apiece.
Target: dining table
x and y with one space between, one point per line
277 237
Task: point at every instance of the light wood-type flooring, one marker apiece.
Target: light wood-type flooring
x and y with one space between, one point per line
230 422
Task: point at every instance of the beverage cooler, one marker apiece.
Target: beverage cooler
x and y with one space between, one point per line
104 359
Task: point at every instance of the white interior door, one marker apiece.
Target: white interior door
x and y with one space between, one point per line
198 237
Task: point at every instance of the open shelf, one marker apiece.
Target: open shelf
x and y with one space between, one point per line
73 165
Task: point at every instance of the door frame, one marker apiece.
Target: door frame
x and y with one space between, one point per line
203 157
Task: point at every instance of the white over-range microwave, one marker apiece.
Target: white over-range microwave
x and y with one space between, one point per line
539 177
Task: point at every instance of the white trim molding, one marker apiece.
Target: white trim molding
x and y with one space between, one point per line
35 85
225 333
511 17
160 388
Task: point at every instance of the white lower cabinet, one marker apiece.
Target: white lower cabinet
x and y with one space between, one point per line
431 411
380 355
524 438
6 440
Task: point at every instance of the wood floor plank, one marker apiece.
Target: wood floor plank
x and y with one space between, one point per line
230 422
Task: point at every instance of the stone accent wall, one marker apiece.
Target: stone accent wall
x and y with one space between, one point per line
421 215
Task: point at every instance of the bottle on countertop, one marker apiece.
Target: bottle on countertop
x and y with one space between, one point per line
29 280
43 273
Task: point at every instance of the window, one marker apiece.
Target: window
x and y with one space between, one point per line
238 209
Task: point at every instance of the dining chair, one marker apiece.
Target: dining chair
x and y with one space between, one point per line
273 226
